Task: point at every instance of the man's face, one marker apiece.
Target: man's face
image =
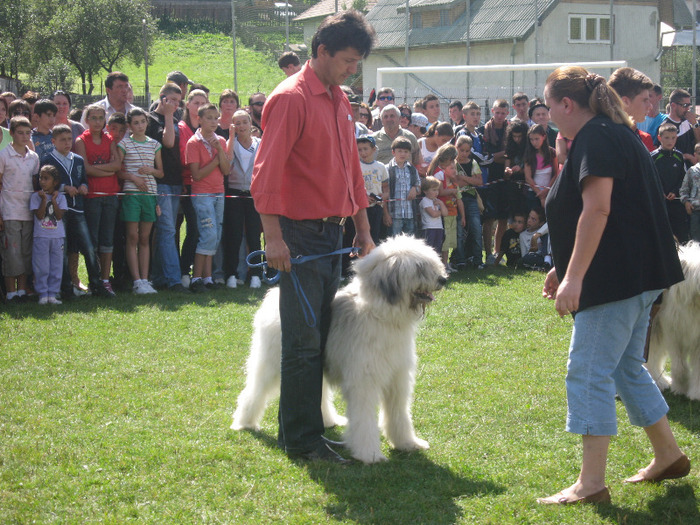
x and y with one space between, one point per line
384 99
390 121
680 108
291 69
638 107
455 114
499 115
473 118
654 99
334 70
520 107
541 116
432 110
119 92
256 105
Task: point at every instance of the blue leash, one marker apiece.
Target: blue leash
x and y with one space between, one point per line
300 259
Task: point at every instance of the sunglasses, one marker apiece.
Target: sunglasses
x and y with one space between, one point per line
686 105
366 115
385 97
261 104
407 115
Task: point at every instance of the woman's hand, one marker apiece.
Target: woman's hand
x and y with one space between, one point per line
567 296
551 284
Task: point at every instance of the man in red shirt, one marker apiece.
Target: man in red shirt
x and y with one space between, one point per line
307 179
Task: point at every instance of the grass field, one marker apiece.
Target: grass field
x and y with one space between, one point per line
207 59
119 411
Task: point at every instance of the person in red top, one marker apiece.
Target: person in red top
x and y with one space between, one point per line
306 180
633 87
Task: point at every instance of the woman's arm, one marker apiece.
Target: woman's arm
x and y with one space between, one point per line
528 177
597 192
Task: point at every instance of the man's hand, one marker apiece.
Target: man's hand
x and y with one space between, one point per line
364 242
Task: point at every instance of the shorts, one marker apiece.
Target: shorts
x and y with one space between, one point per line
209 208
17 239
139 207
450 241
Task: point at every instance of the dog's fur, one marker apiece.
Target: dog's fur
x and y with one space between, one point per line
370 353
676 330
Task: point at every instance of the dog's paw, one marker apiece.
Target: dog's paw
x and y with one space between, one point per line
416 444
370 457
335 421
239 425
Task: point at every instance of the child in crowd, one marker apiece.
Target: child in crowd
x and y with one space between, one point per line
18 166
116 130
510 243
432 211
71 168
45 115
515 150
116 127
375 174
101 165
402 187
140 156
48 206
240 216
469 241
690 195
207 156
671 168
534 242
443 167
541 166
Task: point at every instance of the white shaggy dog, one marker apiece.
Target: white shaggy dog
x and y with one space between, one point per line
676 330
370 353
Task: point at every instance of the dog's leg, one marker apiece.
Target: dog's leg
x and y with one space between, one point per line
657 358
396 414
679 371
331 418
692 354
362 433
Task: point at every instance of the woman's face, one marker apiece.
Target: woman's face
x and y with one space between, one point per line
229 106
557 112
194 104
536 140
3 113
63 107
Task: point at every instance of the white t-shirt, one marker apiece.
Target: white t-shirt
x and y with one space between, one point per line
429 223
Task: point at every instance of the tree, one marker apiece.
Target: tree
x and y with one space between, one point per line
16 20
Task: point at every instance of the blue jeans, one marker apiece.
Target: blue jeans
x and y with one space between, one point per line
605 356
209 208
78 241
300 419
402 226
166 260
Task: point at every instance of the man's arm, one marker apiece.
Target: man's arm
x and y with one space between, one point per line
276 250
363 238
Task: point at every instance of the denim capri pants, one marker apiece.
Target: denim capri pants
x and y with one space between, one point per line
606 356
209 208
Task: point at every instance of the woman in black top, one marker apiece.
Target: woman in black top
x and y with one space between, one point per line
613 252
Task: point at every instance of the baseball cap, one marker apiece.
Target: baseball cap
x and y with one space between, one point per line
420 120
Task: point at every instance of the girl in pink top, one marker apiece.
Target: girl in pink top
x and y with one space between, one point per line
541 166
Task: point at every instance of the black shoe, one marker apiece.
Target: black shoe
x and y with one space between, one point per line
198 286
178 288
100 290
322 453
213 286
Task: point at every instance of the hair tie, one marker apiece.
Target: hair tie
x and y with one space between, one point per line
592 81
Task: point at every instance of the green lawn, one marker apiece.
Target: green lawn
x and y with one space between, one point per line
207 59
116 411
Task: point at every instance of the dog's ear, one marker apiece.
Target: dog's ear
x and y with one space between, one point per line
389 281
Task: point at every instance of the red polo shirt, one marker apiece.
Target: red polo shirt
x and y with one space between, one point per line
307 165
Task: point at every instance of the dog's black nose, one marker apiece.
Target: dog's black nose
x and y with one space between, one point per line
442 281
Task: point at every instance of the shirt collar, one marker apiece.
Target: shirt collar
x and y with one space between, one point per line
315 85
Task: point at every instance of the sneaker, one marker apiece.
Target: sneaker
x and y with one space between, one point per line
185 280
139 288
450 268
240 282
102 291
53 300
79 292
219 280
44 300
255 282
490 259
178 288
213 286
108 286
149 288
198 286
232 282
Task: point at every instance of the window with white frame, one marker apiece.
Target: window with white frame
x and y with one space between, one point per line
586 29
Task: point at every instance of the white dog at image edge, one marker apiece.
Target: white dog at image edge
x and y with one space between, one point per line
675 330
370 353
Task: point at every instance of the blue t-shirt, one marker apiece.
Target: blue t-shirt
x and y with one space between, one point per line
42 144
651 125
